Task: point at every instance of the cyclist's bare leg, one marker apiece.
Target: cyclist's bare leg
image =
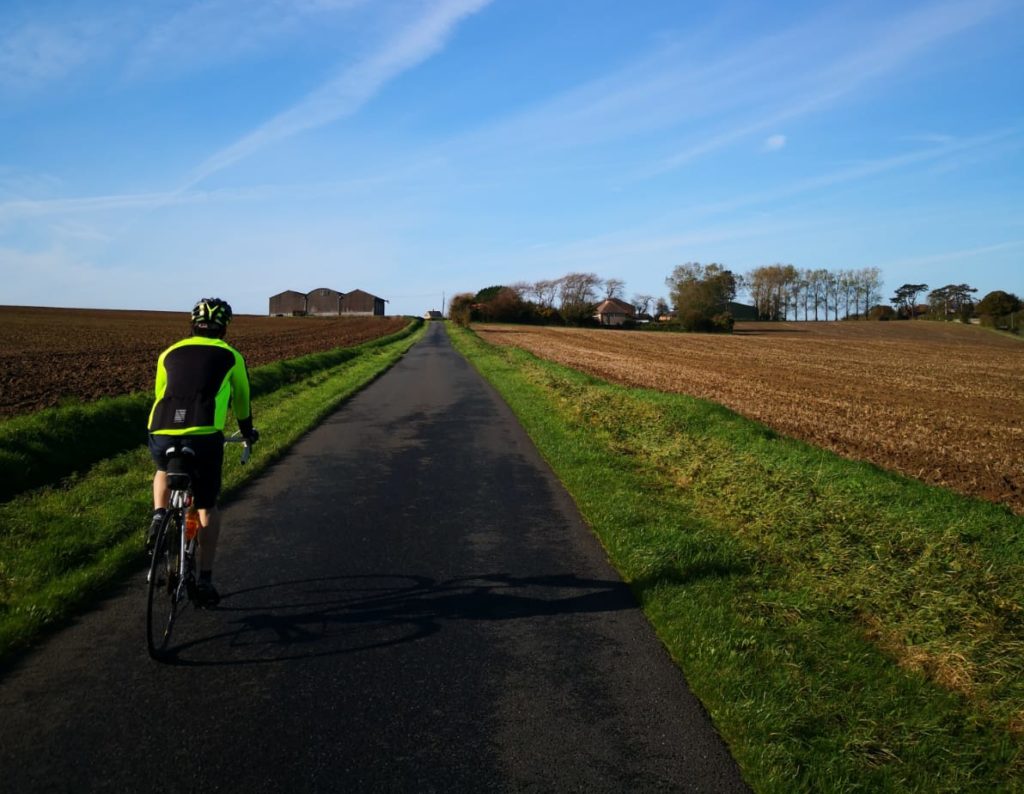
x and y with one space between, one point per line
161 493
210 520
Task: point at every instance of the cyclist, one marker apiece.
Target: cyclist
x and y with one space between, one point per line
196 379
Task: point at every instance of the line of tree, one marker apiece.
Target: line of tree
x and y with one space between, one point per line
781 292
575 296
701 297
571 299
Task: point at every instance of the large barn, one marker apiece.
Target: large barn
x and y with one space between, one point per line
288 302
326 302
359 302
323 301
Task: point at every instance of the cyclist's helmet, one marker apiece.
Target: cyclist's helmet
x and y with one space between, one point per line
211 314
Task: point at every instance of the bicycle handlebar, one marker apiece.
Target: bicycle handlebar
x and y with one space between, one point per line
238 438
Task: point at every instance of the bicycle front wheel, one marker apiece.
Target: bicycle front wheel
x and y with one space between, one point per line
163 597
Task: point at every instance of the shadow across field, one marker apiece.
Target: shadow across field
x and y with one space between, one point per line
767 330
311 618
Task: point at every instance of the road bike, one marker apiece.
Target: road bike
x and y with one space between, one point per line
171 579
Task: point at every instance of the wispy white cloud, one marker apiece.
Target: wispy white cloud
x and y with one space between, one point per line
17 183
953 256
646 244
22 210
71 279
874 52
29 208
929 137
351 89
144 39
34 54
773 143
677 84
712 96
948 153
198 34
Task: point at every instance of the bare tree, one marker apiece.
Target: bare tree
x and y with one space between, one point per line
848 287
546 291
578 293
642 303
871 283
524 290
771 289
819 279
614 288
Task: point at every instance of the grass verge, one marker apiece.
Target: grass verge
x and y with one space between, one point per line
61 546
847 629
40 448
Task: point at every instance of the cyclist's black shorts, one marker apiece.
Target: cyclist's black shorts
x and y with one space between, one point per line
209 459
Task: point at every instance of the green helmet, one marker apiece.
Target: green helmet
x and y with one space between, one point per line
211 314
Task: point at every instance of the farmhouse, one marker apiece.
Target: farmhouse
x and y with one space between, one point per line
326 302
612 311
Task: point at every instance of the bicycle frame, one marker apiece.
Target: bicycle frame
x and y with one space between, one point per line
181 500
175 578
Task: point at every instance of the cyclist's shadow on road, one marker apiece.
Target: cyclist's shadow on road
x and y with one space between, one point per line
310 618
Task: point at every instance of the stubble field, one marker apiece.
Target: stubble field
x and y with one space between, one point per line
939 402
50 355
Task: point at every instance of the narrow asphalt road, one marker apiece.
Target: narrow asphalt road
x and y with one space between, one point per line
411 603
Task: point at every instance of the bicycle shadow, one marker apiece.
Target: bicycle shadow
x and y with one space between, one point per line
310 618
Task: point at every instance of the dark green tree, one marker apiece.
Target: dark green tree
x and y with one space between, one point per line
998 304
701 295
951 301
487 293
905 298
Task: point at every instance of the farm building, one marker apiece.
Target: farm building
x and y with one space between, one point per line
612 311
326 302
741 311
359 302
287 303
323 301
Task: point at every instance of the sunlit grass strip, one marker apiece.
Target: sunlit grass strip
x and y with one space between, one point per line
40 448
847 629
61 546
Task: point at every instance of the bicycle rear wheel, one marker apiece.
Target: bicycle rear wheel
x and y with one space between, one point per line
163 597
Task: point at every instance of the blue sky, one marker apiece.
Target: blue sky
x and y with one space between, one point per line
153 152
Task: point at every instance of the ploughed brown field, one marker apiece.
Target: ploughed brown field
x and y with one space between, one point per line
48 355
940 402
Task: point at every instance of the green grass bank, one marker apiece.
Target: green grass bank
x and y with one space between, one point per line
848 629
62 545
